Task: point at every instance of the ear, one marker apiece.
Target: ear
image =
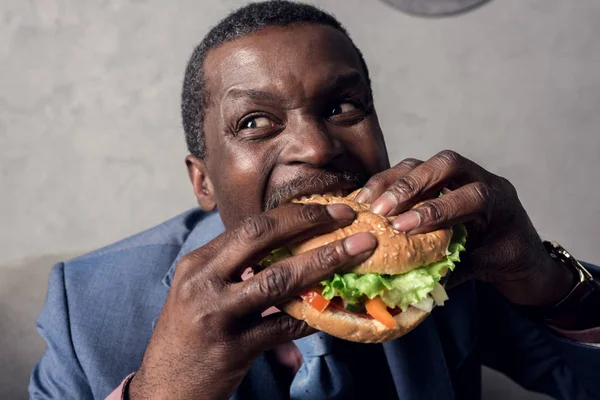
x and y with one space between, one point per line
203 186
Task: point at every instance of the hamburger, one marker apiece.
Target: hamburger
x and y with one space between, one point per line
389 293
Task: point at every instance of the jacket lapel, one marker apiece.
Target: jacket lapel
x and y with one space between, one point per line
208 228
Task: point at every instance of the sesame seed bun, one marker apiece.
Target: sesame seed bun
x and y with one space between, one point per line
396 252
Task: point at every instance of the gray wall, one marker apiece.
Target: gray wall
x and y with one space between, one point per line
91 144
91 148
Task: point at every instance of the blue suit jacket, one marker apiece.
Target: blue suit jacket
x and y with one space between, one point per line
101 309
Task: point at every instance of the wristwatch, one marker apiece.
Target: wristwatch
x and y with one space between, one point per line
580 308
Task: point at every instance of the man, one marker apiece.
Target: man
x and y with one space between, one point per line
277 104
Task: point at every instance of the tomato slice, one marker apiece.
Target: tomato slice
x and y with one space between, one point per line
315 300
378 310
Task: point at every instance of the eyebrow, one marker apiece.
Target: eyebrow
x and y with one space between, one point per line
256 95
333 84
342 81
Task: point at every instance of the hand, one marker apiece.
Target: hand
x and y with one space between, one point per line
210 329
503 246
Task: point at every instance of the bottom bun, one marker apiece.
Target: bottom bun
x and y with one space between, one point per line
351 327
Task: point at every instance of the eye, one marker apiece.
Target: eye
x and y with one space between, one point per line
257 122
342 108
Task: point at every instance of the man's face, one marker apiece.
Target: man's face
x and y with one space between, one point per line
289 113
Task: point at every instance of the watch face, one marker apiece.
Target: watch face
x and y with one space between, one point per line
435 8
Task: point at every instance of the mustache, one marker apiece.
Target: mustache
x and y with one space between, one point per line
313 183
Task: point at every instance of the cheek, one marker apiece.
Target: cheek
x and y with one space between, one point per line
241 185
367 145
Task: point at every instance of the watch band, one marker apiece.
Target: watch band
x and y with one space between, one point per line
579 309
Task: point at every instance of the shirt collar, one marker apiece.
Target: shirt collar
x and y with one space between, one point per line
208 228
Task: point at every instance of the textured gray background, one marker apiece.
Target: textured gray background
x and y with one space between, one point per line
91 147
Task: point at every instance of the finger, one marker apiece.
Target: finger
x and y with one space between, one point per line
427 178
274 330
232 252
381 181
288 278
471 202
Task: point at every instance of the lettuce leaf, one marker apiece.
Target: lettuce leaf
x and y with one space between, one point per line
273 257
396 290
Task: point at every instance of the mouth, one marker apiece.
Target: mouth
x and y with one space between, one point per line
325 183
332 191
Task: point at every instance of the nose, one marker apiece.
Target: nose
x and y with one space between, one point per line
309 142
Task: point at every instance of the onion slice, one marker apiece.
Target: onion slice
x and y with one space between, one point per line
439 294
425 305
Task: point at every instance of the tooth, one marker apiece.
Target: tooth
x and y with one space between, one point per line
329 194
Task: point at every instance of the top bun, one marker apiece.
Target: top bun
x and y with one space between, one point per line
396 252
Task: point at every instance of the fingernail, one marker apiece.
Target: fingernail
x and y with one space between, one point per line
359 243
341 212
407 222
363 196
269 311
384 204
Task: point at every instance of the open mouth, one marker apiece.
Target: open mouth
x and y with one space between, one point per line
329 192
336 193
305 186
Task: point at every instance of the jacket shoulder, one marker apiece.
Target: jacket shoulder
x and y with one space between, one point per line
112 296
172 232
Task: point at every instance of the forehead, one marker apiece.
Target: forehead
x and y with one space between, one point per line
296 57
